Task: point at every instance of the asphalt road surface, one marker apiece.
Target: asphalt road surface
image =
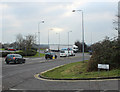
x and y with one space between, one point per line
21 76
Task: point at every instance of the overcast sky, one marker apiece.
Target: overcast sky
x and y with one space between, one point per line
23 17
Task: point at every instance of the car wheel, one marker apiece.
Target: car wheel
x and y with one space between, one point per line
15 62
21 62
7 62
46 57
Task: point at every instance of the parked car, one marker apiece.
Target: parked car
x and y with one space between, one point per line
50 55
11 49
14 58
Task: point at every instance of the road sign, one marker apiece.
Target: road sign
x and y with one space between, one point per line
103 66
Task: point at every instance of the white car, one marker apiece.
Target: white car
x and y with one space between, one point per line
64 53
67 52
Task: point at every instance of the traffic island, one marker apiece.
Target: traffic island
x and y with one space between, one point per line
77 71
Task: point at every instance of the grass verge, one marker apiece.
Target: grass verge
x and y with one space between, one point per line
78 70
2 49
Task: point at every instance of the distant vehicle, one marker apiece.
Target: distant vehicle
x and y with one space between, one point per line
66 52
14 58
11 49
50 55
90 52
71 52
75 48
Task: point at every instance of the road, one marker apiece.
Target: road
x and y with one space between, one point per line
21 76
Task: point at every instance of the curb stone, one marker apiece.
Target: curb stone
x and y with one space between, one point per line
78 78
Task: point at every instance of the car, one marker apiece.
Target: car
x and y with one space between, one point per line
14 58
64 53
11 49
71 52
50 55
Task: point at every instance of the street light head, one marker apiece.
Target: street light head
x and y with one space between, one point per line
42 21
73 10
76 10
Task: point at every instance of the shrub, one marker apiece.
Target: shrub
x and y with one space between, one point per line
29 52
4 54
20 52
105 52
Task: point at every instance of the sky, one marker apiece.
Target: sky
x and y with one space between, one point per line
24 18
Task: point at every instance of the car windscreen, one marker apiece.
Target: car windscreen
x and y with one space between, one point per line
10 55
18 56
47 53
62 51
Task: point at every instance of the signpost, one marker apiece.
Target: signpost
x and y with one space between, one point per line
103 66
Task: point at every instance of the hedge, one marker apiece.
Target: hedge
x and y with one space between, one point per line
23 53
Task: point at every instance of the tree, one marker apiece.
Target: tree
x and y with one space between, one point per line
19 40
30 40
77 43
26 44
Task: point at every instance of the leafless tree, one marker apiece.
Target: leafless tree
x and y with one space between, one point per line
30 40
19 40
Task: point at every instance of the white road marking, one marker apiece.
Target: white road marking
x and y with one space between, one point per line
16 89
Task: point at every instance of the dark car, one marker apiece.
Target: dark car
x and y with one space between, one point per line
50 55
14 58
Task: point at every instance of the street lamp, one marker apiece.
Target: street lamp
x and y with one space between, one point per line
59 41
39 35
68 41
48 38
82 31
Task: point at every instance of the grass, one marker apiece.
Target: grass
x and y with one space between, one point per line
78 70
2 49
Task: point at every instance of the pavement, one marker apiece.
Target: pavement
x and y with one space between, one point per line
22 76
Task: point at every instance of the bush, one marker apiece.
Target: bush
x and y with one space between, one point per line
20 52
29 52
23 53
4 54
105 52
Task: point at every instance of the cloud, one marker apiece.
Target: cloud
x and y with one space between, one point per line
56 29
103 16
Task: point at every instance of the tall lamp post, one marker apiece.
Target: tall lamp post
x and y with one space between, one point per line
68 41
48 38
39 35
82 31
59 41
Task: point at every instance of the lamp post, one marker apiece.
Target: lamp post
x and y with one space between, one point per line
82 31
48 38
39 35
68 41
59 41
